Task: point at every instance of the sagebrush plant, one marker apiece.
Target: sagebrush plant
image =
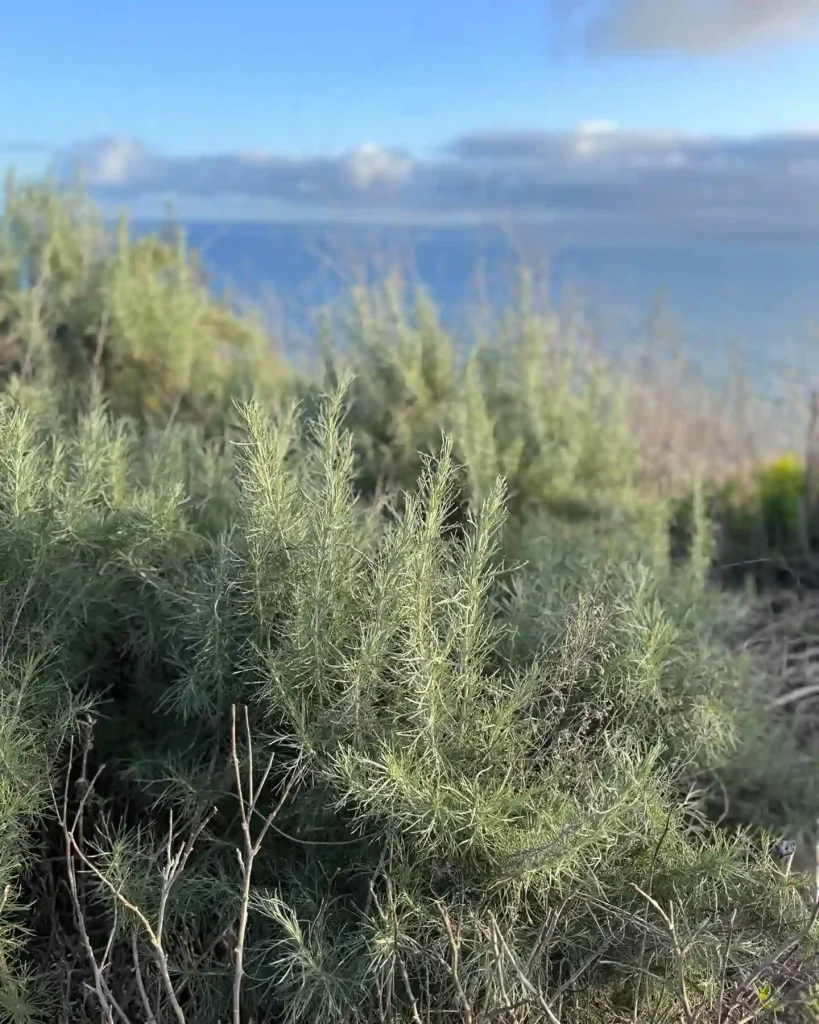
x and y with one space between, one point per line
487 779
81 304
532 406
85 308
416 650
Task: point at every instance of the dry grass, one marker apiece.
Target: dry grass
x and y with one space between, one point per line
783 633
787 637
689 425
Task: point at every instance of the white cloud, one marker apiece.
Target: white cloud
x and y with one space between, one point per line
597 128
370 164
110 161
596 175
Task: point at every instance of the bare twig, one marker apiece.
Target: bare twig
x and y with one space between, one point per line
143 995
176 861
527 983
416 1017
725 962
679 954
107 1002
454 967
248 806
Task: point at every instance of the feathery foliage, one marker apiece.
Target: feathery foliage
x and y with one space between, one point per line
417 652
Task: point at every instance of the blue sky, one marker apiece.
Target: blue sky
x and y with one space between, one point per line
202 75
303 79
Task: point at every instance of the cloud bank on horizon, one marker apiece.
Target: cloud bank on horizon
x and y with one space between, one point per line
687 26
596 177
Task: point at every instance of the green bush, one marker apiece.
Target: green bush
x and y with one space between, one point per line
460 754
488 725
530 407
762 515
81 306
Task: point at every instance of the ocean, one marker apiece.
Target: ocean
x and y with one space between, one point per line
753 300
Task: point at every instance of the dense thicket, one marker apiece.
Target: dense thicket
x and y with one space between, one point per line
358 699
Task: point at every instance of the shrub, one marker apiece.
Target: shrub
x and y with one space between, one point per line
531 407
484 779
489 723
768 513
79 304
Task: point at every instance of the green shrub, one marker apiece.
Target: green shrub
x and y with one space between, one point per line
767 513
490 723
762 515
782 494
463 753
79 305
530 407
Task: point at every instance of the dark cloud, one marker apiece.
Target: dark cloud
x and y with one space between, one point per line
687 26
595 176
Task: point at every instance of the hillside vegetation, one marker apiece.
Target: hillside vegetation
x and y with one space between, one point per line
373 695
